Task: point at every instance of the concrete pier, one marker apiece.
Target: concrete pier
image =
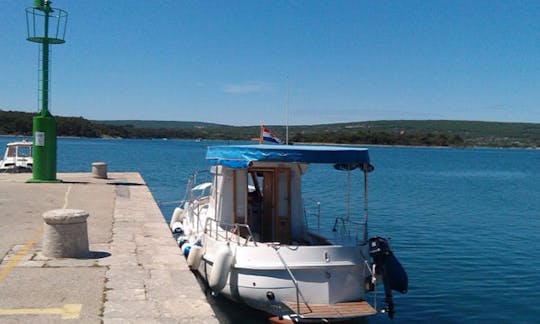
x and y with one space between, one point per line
134 272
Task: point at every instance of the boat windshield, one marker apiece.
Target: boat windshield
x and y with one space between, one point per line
11 151
24 151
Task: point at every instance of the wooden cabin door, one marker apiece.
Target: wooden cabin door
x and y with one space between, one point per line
275 187
268 206
282 217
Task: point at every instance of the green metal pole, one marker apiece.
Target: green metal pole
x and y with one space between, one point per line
45 66
44 125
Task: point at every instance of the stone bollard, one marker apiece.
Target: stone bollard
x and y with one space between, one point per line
65 234
99 170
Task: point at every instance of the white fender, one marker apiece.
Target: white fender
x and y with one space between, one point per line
177 228
195 257
178 215
221 268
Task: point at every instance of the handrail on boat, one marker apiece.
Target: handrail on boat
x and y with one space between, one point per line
308 212
295 282
194 209
193 181
342 225
188 195
228 229
342 221
344 229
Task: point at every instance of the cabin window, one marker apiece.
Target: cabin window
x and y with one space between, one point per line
11 151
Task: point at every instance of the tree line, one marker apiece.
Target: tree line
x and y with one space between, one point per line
380 138
20 123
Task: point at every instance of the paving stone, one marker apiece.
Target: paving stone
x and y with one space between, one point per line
130 309
116 295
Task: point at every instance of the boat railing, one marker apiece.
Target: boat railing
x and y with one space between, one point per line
195 209
196 179
190 195
312 213
295 282
235 232
346 228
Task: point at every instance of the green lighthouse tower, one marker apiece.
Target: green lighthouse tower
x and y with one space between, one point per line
46 26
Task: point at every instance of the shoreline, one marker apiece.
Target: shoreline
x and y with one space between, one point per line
298 143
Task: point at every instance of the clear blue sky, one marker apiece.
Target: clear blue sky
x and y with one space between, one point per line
230 61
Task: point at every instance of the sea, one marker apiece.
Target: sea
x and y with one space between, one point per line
464 222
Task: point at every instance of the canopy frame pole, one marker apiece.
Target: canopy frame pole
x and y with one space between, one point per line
365 170
348 202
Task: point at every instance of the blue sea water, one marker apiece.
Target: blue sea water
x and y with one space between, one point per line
465 223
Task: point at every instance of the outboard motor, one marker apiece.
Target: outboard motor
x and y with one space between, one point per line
393 275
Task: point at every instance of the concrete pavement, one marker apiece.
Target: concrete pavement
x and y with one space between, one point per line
133 274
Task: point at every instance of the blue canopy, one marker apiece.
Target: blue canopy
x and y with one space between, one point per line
241 156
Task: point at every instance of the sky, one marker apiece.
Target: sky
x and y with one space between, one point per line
281 62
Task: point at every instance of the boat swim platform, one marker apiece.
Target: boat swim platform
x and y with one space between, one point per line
134 272
332 311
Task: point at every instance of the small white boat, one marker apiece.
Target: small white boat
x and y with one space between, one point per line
245 230
17 157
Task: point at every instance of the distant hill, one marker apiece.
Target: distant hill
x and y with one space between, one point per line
467 129
157 124
384 132
477 133
472 133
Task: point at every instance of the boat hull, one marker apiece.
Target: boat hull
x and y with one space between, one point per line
325 275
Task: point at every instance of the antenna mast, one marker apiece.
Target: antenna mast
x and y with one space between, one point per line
287 115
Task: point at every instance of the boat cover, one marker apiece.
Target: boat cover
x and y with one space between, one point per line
241 156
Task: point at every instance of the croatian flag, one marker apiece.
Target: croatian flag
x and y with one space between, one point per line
268 136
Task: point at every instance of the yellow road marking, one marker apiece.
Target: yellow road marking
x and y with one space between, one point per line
68 311
13 261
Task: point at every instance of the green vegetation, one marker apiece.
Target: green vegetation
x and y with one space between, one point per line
387 132
430 132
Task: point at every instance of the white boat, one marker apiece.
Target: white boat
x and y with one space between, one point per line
245 231
17 157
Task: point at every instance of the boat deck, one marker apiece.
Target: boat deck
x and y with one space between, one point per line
333 311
